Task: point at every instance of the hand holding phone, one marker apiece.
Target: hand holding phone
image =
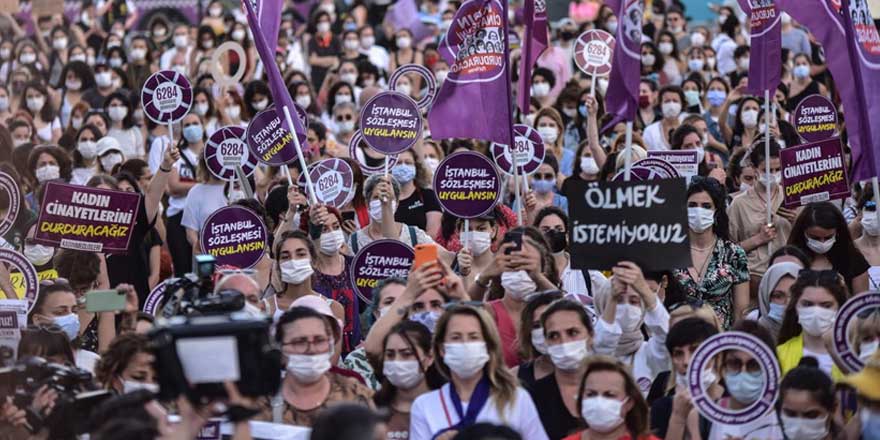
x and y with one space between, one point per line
425 254
105 301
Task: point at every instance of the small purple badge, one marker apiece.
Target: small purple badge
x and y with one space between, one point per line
334 182
269 141
815 118
592 52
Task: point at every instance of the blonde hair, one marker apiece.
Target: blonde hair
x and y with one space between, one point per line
704 312
503 384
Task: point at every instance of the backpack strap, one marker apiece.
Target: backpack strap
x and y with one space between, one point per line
413 237
588 281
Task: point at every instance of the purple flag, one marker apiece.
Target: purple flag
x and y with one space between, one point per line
766 44
535 17
280 94
269 14
849 62
475 100
622 97
405 15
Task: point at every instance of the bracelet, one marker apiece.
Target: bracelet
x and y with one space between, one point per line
164 170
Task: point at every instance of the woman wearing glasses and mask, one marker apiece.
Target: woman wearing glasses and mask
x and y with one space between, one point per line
815 298
309 386
467 351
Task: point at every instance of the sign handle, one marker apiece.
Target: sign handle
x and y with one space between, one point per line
593 86
245 185
767 161
627 151
876 185
302 160
517 190
287 174
467 231
170 138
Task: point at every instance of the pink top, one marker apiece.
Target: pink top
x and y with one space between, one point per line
507 331
583 11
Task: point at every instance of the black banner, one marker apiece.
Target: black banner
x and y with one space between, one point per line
640 221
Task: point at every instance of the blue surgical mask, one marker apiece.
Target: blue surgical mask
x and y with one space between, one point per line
403 173
428 319
69 324
776 312
870 423
193 133
745 387
582 110
716 97
544 186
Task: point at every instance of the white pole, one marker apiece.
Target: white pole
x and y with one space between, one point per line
593 86
876 187
464 235
627 151
302 159
767 163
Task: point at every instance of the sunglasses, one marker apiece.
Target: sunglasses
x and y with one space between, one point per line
341 118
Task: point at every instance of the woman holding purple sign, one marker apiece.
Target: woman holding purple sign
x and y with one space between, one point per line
383 194
182 177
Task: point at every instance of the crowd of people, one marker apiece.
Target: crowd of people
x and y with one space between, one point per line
496 338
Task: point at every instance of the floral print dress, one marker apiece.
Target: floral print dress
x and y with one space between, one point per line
728 266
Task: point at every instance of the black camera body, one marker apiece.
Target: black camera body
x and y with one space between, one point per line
193 294
196 354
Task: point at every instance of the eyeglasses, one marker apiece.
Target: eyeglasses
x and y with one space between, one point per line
734 365
348 117
695 304
548 176
303 345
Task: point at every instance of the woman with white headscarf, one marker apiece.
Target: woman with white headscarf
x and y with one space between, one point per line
774 292
619 330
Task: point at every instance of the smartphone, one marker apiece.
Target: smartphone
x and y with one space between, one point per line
105 301
348 215
424 254
514 237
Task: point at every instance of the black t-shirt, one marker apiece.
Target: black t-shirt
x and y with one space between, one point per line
661 412
412 210
568 184
332 48
133 267
857 265
557 421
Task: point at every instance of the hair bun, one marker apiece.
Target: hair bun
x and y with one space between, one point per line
808 361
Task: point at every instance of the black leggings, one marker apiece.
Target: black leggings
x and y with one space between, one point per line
178 246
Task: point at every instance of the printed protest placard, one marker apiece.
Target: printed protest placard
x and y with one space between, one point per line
644 222
860 306
592 52
813 173
13 318
684 161
19 280
225 150
377 261
19 265
334 182
815 118
428 79
269 141
166 97
87 219
10 202
235 236
391 123
467 184
528 151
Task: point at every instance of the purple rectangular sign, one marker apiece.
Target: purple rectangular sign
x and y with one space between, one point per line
87 219
813 173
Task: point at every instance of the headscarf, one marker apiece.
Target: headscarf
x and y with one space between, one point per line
630 341
768 282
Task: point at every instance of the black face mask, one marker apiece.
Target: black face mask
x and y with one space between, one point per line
567 35
558 240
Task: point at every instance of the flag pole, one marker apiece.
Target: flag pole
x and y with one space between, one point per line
876 186
302 160
510 143
767 163
627 151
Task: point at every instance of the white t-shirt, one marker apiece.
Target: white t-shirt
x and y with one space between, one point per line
86 360
824 359
131 141
187 174
874 278
573 281
427 416
44 133
422 237
79 176
765 427
202 200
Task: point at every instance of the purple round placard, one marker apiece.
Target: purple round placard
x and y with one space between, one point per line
225 149
368 170
379 260
648 169
733 340
334 182
592 52
815 118
428 78
467 184
166 97
235 236
8 184
390 123
28 273
845 316
269 141
482 54
529 151
153 302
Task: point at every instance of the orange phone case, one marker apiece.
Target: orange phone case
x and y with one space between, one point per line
424 254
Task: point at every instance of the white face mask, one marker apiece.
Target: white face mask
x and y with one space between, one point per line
201 109
589 165
405 89
869 223
332 241
76 123
368 42
750 118
867 349
35 104
104 79
323 27
308 368
296 271
180 41
665 47
110 160
479 242
432 163
344 127
38 254
117 113
138 54
797 428
700 219
304 101
405 375
770 180
707 378
698 39
517 284
538 340
253 311
376 210
130 386
349 78
548 134
47 172
816 320
540 90
404 42
260 105
648 59
671 109
465 359
821 247
28 58
233 112
4 105
238 35
568 356
602 412
628 316
73 84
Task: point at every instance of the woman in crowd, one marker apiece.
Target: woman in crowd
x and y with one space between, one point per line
815 298
85 154
822 233
719 274
543 192
383 194
869 243
35 100
203 198
181 179
807 404
532 343
548 123
657 134
589 165
127 365
744 132
553 223
418 204
119 108
774 293
467 352
477 257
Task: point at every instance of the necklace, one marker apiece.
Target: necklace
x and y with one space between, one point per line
705 264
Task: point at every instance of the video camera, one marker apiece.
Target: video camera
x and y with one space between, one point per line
77 394
193 294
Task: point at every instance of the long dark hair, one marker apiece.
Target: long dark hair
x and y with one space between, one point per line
417 337
526 349
718 194
825 215
808 377
548 266
826 279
